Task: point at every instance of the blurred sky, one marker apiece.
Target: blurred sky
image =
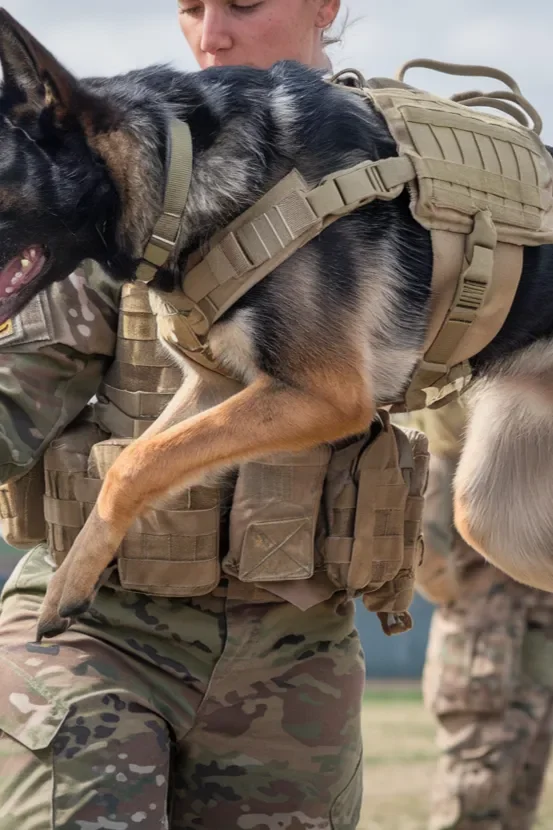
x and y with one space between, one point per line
106 36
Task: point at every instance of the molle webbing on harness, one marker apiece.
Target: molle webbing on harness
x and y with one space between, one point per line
125 409
484 190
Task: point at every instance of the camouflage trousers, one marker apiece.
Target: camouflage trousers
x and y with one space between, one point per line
163 713
489 680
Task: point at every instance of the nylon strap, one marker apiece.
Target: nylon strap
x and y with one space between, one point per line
281 222
164 237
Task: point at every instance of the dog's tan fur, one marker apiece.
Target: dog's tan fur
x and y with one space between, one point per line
504 486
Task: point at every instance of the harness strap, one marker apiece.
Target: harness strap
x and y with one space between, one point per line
166 230
281 222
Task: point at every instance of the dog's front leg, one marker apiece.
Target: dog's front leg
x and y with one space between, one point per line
266 417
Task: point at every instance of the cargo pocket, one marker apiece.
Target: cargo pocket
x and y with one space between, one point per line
30 713
361 535
471 669
274 516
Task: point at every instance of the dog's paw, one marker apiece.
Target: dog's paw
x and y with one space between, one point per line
73 586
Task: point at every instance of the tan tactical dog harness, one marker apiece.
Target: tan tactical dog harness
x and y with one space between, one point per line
346 518
481 184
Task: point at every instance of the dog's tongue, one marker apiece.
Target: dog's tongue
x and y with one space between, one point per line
20 271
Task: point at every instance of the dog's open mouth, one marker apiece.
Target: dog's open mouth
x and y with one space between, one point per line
20 271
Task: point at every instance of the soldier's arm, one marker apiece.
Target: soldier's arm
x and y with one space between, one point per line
52 359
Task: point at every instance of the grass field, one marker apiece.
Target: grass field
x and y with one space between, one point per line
399 763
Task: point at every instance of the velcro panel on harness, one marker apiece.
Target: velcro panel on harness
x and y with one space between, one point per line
124 409
21 512
468 161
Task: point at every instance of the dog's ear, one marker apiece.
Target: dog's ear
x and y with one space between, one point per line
33 79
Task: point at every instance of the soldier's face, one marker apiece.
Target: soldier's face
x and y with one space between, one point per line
256 32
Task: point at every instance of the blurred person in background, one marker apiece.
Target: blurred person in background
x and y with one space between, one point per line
488 677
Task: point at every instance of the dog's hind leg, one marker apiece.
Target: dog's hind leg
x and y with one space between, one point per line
504 481
266 417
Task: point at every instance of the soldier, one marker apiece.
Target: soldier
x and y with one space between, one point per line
488 677
170 704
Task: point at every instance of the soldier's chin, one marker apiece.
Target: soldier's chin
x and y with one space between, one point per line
18 280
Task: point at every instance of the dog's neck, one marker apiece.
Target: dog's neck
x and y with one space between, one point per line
248 127
136 153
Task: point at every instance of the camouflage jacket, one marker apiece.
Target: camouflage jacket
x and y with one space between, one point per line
53 357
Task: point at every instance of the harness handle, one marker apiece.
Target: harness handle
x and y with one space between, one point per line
501 100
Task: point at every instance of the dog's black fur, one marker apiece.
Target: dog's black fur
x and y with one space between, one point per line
82 175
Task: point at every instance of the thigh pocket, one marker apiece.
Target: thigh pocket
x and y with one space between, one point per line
471 669
30 712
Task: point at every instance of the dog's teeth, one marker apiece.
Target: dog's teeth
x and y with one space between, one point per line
25 263
9 290
32 253
16 279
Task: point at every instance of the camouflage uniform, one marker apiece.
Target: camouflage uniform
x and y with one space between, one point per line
488 676
153 712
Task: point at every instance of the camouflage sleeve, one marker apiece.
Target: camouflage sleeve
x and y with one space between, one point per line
52 358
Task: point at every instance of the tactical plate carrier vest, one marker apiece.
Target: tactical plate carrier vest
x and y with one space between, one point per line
347 518
293 527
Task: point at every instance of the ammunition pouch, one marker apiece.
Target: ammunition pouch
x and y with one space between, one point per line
21 510
370 527
172 550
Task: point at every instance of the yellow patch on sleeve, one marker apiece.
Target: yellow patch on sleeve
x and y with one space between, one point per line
6 328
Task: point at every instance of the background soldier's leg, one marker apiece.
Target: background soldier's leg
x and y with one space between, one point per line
277 742
472 684
529 781
483 765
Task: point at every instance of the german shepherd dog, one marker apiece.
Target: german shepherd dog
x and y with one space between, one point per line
316 346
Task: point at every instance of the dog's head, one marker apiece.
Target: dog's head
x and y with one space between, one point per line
54 190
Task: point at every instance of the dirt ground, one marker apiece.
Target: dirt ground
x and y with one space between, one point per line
399 763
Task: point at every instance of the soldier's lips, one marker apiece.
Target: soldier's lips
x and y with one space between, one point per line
20 271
